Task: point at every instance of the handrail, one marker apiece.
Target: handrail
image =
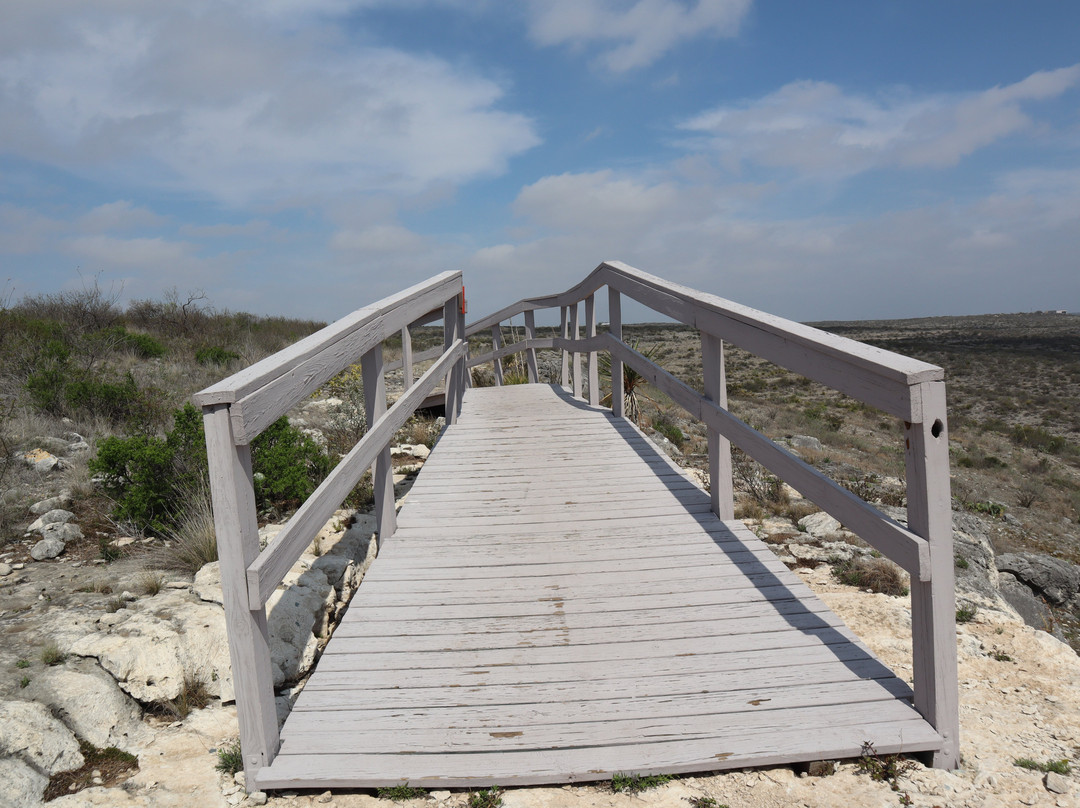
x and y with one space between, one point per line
273 563
262 393
885 379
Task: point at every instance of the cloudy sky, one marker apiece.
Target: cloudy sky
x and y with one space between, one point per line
846 160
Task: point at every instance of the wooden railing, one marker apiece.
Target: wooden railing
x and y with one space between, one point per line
912 390
237 409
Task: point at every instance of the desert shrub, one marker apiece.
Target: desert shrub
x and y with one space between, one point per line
141 474
215 355
763 487
1038 438
143 345
665 424
147 476
288 464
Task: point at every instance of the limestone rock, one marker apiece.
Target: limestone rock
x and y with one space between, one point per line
91 704
151 648
41 461
207 583
66 532
57 516
5 570
805 442
56 446
819 525
23 786
1034 612
1057 580
30 732
52 503
47 548
296 617
1057 783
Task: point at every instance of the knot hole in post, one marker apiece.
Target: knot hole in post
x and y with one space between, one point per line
937 428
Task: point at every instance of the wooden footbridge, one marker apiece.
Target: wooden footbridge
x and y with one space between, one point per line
557 601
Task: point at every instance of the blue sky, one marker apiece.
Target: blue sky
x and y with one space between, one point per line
839 160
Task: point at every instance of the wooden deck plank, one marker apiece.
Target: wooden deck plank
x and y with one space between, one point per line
559 604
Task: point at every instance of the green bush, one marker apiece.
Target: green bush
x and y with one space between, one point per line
214 355
144 345
288 465
147 475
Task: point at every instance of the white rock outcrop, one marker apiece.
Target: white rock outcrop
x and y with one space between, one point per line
29 732
92 705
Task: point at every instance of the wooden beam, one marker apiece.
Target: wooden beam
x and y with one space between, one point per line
394 312
406 357
450 336
382 480
496 344
237 531
575 335
933 605
594 368
875 376
615 330
530 355
564 332
721 487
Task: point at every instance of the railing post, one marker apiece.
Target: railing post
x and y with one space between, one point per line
237 530
496 344
933 604
406 357
594 369
575 334
564 332
615 316
530 354
714 378
371 368
462 365
450 323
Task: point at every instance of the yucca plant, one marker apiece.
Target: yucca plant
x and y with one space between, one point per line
633 382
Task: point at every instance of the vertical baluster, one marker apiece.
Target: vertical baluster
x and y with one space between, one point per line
715 380
496 344
575 334
564 332
594 368
406 357
450 322
530 354
371 367
617 391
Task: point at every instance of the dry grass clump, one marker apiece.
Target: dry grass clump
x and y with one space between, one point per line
193 543
875 574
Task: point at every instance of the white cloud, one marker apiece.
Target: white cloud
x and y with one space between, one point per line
817 128
598 201
119 215
637 32
222 101
383 238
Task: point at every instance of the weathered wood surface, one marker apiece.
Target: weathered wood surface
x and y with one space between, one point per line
558 604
